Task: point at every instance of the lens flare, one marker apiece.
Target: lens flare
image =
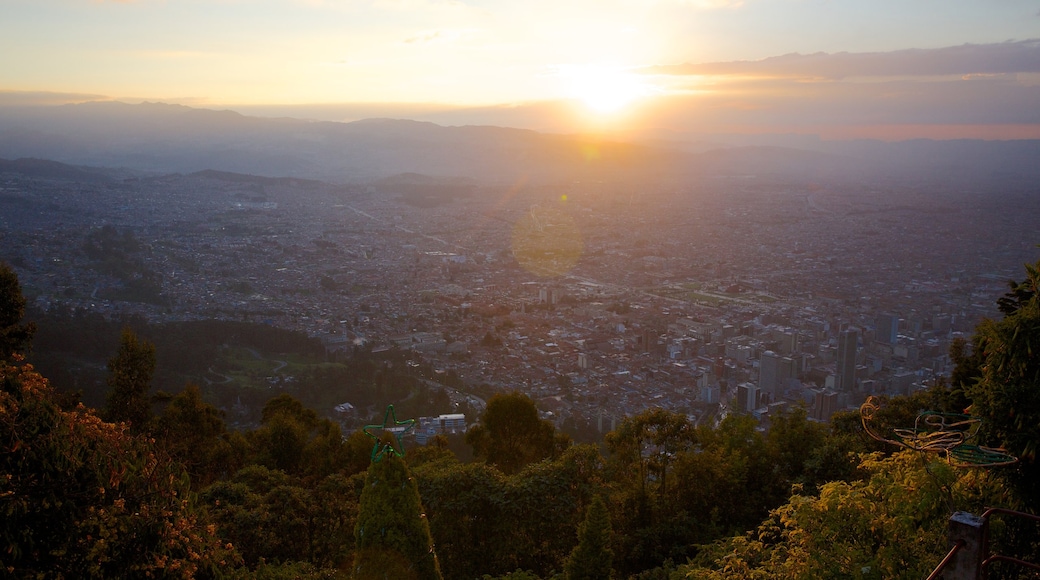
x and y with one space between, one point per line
547 241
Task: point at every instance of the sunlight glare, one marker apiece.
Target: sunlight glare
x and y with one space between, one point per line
604 89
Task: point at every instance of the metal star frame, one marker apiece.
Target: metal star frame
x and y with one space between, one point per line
392 425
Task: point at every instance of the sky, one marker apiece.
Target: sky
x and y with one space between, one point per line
886 68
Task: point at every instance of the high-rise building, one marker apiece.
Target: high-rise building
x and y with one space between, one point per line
769 373
887 328
747 398
824 405
846 368
709 394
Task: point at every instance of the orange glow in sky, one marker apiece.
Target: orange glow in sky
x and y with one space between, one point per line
499 53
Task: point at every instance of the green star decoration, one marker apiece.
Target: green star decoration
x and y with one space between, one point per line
391 424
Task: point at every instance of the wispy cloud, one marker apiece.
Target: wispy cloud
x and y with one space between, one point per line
35 98
968 59
713 4
417 5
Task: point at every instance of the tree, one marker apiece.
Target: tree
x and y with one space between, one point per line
643 453
392 535
893 524
510 434
294 439
193 432
644 446
484 522
592 557
1020 293
129 378
1006 396
14 337
82 498
791 442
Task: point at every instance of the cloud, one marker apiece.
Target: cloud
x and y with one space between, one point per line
41 98
968 59
424 38
417 5
701 4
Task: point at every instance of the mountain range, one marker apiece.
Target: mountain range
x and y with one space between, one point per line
156 137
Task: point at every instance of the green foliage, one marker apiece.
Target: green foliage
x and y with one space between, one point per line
1007 394
194 434
284 571
515 575
652 522
129 378
592 558
14 337
1020 293
792 439
82 498
643 447
293 439
393 536
510 435
967 360
487 523
890 525
272 517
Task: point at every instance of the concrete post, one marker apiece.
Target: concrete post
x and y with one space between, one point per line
967 562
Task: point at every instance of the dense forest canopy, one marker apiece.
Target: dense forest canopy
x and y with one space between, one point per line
158 484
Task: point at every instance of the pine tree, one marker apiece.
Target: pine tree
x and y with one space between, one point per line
591 559
392 535
129 378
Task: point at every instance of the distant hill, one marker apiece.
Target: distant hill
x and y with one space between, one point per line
174 138
46 169
256 179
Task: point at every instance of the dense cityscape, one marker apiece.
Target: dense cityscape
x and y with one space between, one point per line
731 294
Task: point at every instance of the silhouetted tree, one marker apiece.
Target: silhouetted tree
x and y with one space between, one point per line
592 557
1007 392
392 534
14 337
193 432
510 434
129 379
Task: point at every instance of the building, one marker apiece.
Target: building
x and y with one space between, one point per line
431 426
769 373
887 329
848 343
824 405
747 398
709 395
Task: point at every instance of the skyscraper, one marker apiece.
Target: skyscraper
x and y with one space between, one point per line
769 373
846 369
887 328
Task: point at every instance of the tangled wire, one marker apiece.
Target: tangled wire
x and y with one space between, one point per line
949 434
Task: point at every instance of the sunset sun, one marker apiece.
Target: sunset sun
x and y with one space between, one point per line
604 89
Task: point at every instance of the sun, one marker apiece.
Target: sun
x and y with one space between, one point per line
604 89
